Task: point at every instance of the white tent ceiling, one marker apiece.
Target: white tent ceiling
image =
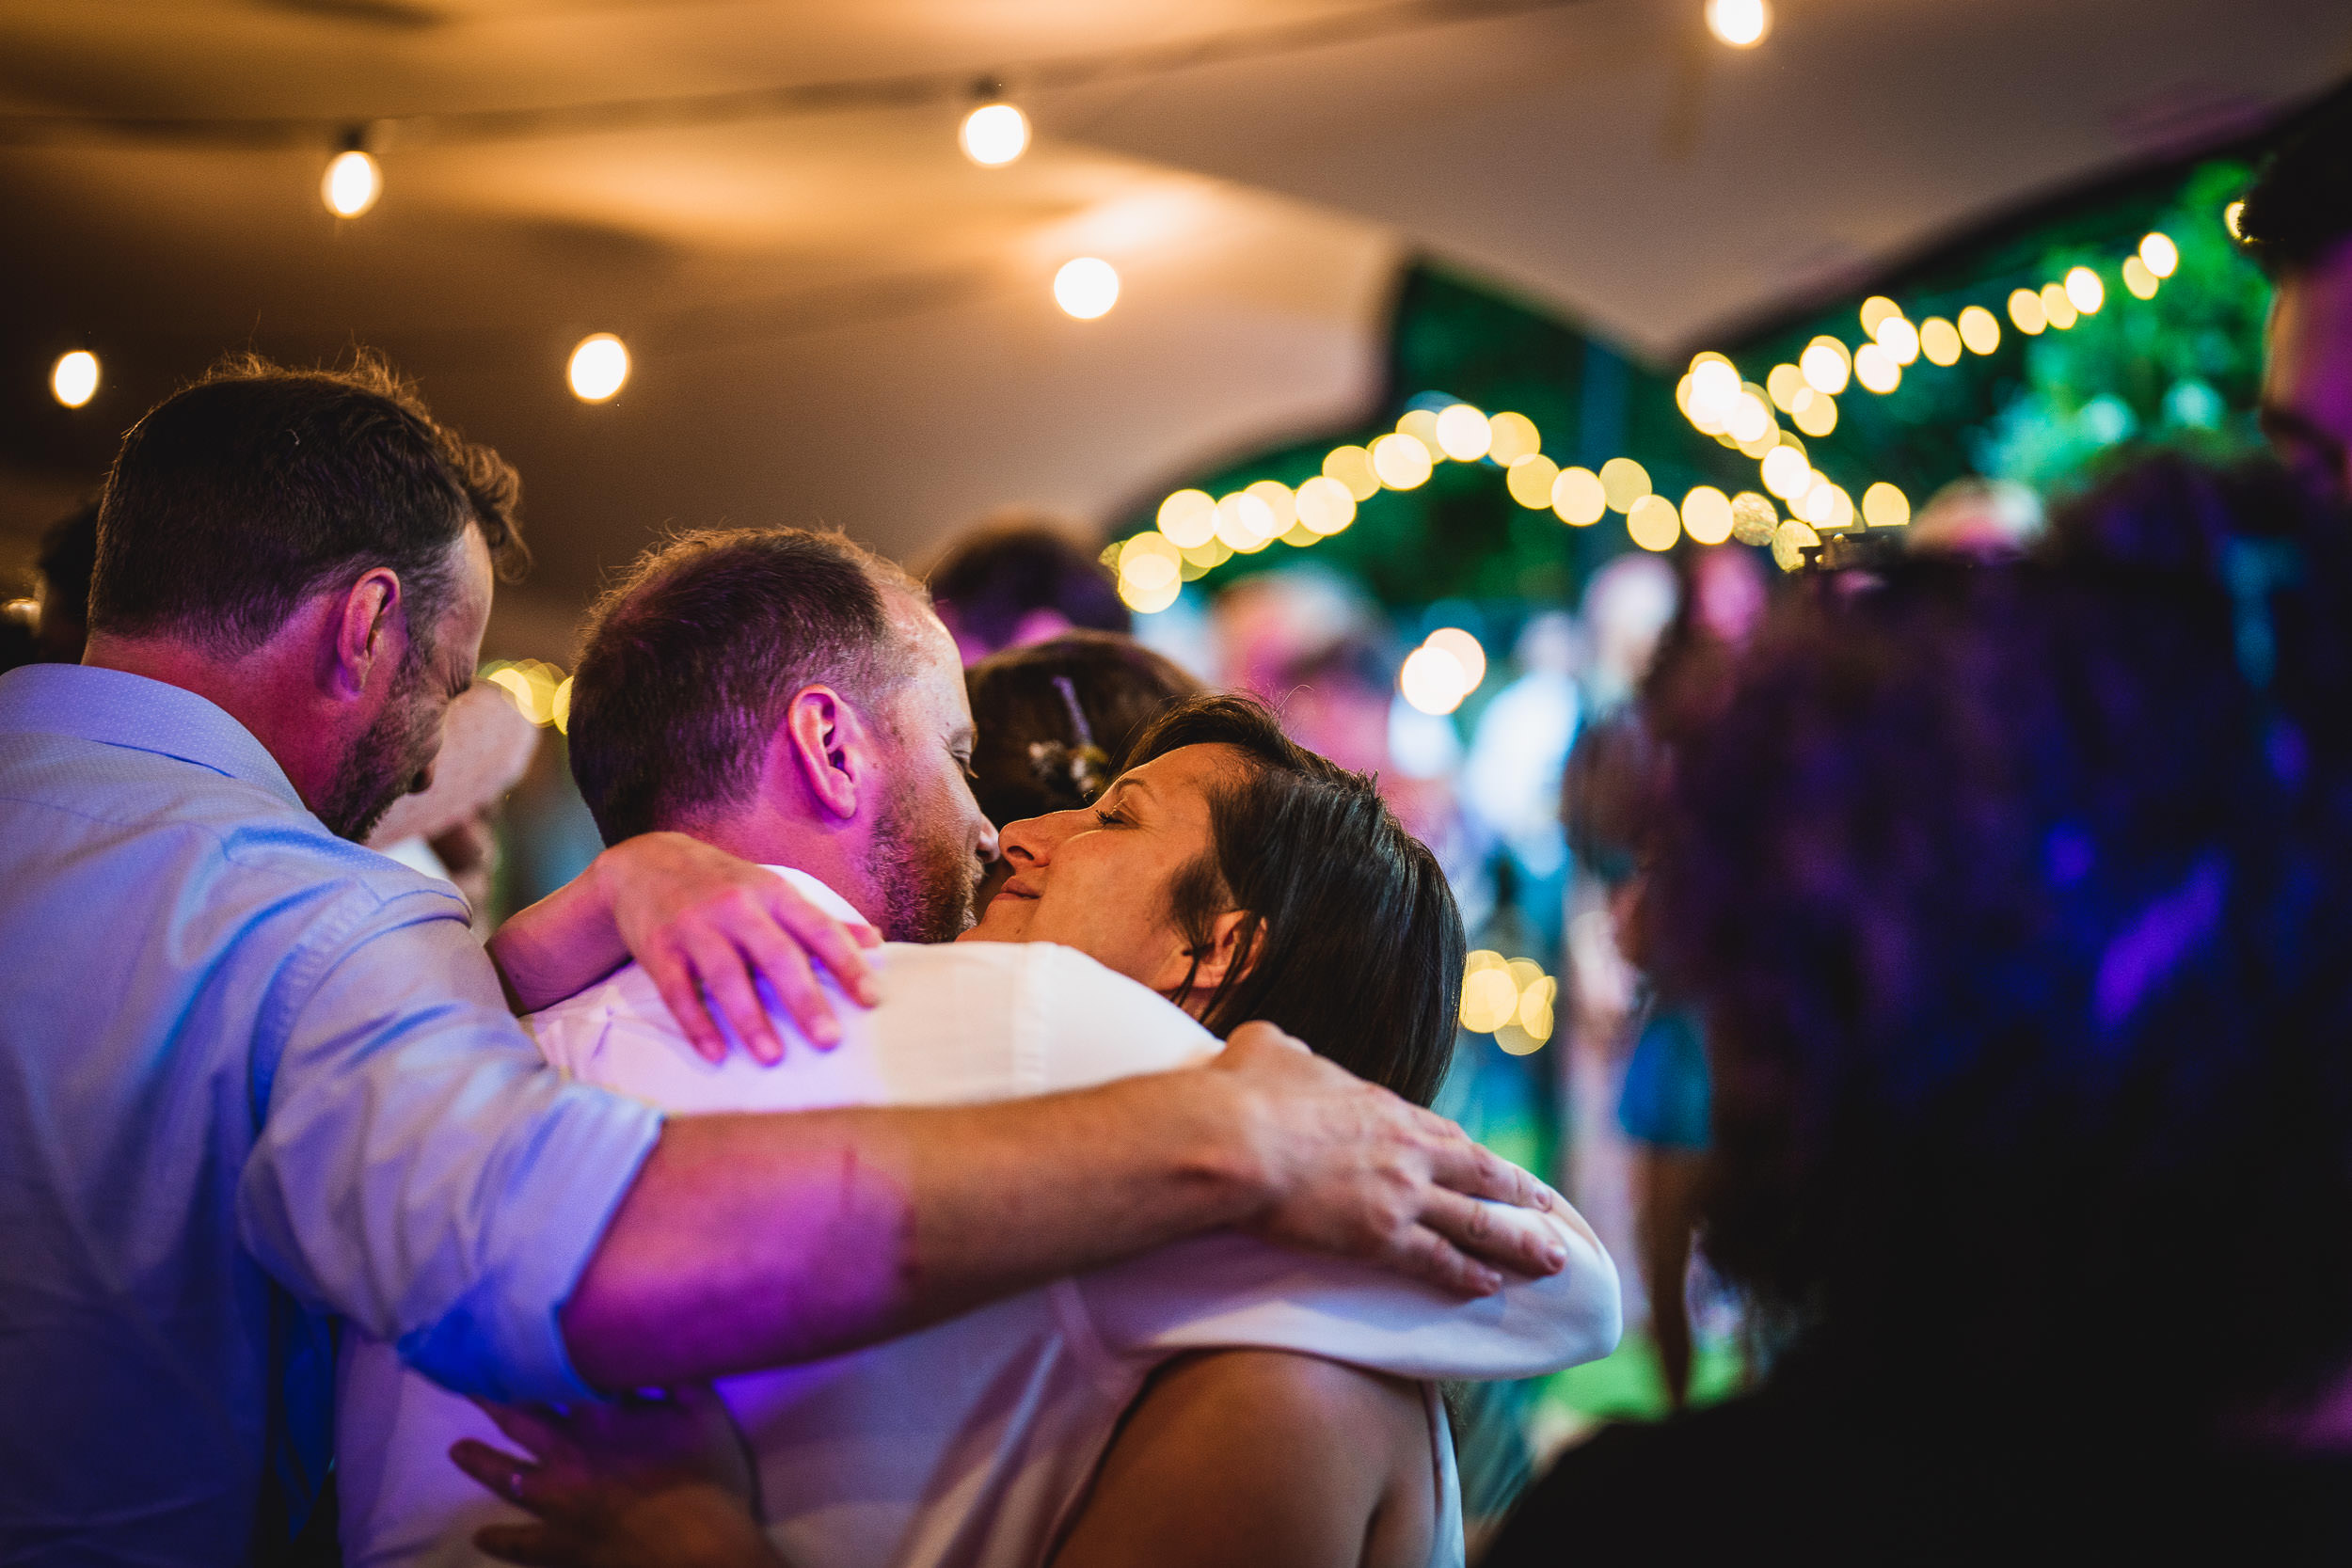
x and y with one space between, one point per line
835 317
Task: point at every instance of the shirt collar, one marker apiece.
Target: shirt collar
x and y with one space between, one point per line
113 708
820 895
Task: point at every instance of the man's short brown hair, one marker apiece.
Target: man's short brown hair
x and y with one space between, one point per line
691 659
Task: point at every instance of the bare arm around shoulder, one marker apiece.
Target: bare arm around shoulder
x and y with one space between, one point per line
760 1241
1240 1458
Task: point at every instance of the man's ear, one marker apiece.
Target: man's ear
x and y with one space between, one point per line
1234 940
825 745
366 628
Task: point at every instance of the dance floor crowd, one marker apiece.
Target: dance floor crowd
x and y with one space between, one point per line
980 1117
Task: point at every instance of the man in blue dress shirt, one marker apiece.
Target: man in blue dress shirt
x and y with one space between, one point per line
254 1078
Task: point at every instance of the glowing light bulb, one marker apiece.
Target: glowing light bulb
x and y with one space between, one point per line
1352 466
2140 279
2160 253
1899 339
74 379
1401 460
1788 387
1464 434
1653 523
1325 505
1786 473
1466 651
994 134
1741 23
1876 369
1579 496
1818 416
599 366
2085 291
1087 288
2057 307
1826 365
1714 388
1706 515
2024 309
352 184
1939 339
1884 506
1433 680
1979 330
1189 517
1622 481
1512 437
1529 481
1875 310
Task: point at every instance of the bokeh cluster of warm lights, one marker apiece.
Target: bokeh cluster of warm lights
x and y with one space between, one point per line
541 692
1446 668
1512 999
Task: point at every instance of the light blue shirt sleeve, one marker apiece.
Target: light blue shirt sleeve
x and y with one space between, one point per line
420 1169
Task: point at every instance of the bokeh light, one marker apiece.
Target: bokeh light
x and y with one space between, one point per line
1464 434
1706 515
1188 517
598 367
1421 425
1876 369
1786 472
1466 652
1401 460
1788 387
2085 291
2057 307
1622 481
1899 339
1753 518
1826 365
1279 503
1087 288
2024 309
1818 416
2230 218
1579 496
1876 310
2160 253
994 134
1980 330
1741 23
1325 505
1512 437
74 379
1529 481
1885 506
1432 680
1790 541
1654 524
2139 279
1939 339
1352 466
351 184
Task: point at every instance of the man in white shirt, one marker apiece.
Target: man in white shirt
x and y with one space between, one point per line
971 1441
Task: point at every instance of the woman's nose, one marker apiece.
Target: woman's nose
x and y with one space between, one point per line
1033 840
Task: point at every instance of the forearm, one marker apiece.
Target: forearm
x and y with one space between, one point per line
565 941
756 1241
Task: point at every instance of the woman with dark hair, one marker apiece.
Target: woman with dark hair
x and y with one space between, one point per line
1245 880
2019 900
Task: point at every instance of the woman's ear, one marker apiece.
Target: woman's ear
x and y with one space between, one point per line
1234 940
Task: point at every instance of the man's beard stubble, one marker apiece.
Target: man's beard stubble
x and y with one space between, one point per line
388 761
925 881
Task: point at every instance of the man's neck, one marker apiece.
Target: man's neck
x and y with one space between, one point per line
252 689
833 853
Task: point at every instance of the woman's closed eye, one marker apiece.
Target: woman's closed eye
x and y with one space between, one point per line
1111 817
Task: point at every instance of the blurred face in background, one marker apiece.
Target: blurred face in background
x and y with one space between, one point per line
2307 379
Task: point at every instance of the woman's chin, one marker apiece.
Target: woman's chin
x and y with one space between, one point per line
1004 918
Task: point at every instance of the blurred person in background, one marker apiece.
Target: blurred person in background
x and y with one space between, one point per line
1985 519
1017 577
69 553
2296 223
2017 900
1054 719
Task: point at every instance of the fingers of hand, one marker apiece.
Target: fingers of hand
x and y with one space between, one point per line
512 1478
1422 1253
675 979
726 980
1455 1161
783 964
839 947
1473 1228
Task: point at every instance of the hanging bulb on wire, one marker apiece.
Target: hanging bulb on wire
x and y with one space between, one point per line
353 180
994 133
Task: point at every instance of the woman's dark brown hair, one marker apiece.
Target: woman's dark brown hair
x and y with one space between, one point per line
1054 717
1356 945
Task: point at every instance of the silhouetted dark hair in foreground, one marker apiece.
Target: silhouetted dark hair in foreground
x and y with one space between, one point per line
2301 205
1055 718
1359 943
256 486
1012 566
2020 899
